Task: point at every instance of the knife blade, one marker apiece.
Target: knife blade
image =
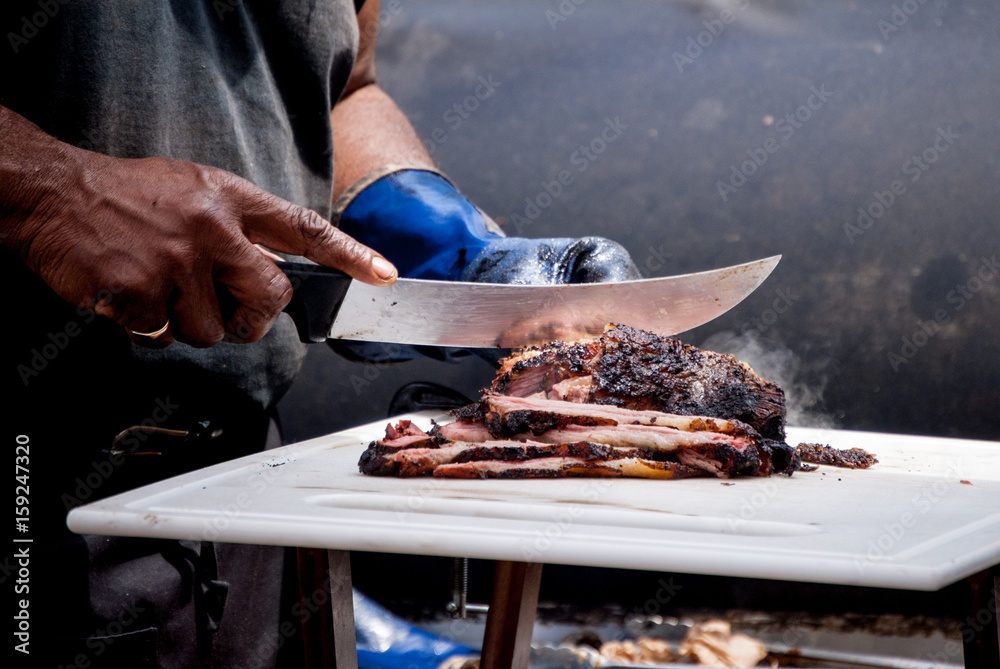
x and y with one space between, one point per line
328 304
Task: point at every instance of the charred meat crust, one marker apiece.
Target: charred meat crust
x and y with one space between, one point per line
373 462
472 413
724 460
537 422
819 454
640 370
783 459
541 367
582 449
666 375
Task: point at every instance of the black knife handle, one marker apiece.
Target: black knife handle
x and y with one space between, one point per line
317 295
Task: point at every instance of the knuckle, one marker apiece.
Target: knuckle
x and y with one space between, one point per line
314 230
277 292
253 319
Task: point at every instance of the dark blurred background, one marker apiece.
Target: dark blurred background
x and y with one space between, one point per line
887 323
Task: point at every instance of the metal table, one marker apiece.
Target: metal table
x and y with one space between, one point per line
926 516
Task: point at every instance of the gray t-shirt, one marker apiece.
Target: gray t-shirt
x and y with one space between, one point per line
243 85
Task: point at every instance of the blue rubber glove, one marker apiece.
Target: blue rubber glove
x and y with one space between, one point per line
419 221
551 261
386 641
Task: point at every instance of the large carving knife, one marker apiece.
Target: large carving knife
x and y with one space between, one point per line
328 304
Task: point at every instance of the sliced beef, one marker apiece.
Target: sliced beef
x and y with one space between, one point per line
508 415
684 453
720 447
635 369
630 404
423 461
567 467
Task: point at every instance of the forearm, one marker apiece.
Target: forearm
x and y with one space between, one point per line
33 165
369 131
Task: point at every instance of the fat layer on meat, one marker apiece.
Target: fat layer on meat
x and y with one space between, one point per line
423 461
506 407
568 467
719 447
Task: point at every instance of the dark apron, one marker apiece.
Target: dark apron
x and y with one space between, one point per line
99 601
136 602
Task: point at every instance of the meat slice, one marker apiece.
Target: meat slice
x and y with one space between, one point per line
720 447
508 415
423 461
819 454
568 467
405 434
635 369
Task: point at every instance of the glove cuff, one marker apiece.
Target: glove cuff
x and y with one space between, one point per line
348 196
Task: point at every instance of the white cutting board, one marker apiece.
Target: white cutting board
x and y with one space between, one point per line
927 515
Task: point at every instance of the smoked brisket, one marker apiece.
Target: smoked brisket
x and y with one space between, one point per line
630 404
635 369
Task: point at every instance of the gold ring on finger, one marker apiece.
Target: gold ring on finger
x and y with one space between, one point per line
151 335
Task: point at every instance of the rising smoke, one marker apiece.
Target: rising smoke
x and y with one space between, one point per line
773 361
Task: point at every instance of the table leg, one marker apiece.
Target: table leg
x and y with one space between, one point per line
327 631
981 629
511 618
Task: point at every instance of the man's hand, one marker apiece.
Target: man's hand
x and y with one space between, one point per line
154 241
